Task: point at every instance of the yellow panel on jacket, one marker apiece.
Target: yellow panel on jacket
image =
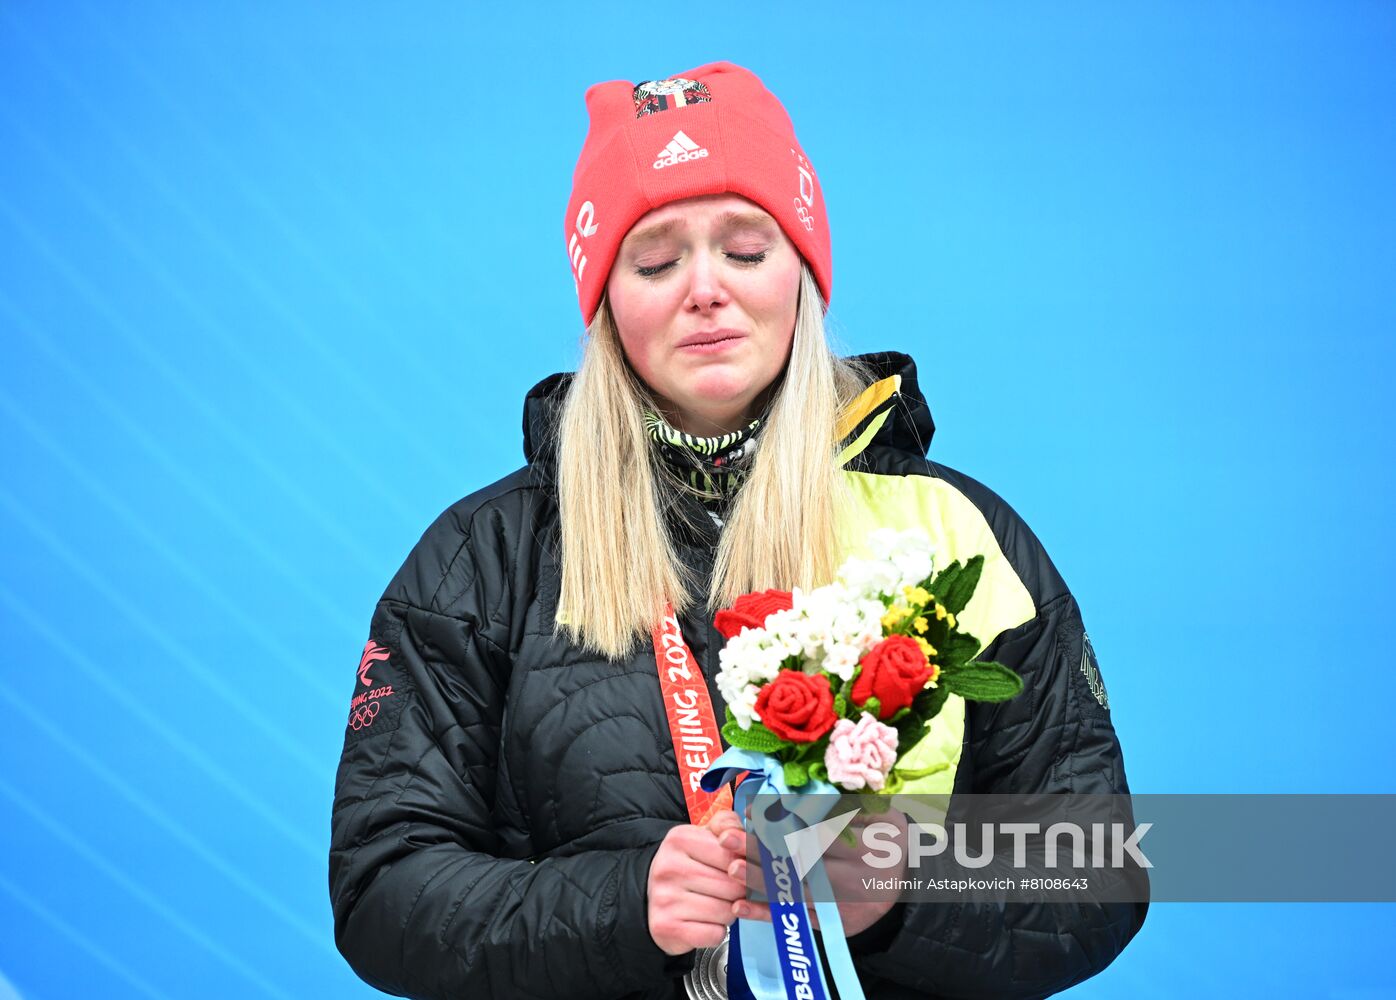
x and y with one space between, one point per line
959 532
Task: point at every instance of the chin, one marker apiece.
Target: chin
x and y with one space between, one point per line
720 389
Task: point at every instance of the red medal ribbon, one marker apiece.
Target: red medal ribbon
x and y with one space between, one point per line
692 724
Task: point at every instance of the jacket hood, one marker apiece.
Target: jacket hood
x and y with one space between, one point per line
889 413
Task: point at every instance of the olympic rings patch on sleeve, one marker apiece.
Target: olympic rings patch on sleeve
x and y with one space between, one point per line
379 694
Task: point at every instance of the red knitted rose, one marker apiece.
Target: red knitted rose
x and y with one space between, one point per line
750 611
797 706
894 671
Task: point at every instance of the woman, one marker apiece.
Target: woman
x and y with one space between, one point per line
508 818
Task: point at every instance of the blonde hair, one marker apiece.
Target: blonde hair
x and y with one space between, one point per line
618 561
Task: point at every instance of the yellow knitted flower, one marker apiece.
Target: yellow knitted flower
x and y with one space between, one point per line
918 595
920 624
895 615
926 647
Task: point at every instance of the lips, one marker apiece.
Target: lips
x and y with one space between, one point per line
710 337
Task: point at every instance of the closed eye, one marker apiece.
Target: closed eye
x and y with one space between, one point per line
650 272
658 269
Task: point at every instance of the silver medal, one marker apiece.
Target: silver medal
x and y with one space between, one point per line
707 980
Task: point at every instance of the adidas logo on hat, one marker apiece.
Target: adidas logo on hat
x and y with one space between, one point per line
680 149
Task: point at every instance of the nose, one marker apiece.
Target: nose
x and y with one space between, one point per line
706 290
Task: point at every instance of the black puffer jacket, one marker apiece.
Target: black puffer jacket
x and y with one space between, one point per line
501 794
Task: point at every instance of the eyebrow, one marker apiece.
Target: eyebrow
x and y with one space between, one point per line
725 222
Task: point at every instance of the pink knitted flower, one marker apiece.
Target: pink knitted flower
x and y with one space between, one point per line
861 753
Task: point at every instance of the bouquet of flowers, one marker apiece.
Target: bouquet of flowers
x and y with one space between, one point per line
837 682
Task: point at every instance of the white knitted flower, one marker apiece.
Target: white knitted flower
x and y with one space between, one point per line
900 559
748 661
870 577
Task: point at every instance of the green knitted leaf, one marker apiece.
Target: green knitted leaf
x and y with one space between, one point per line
930 701
872 706
961 589
955 649
796 774
982 681
937 629
910 732
923 772
818 771
840 706
944 580
758 738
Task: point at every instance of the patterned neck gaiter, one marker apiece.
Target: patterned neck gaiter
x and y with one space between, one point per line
713 467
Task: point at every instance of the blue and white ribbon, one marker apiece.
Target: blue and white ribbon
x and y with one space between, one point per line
784 965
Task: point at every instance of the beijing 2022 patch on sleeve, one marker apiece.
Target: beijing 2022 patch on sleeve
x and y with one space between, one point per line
380 690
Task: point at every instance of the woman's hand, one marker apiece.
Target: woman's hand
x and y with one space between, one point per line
691 892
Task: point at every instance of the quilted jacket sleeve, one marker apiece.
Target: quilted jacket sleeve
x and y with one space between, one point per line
1055 737
422 905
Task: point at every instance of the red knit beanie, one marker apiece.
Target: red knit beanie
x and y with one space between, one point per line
709 130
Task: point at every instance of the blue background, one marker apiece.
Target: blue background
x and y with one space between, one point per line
273 284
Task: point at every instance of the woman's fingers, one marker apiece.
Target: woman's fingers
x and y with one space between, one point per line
726 827
747 910
709 883
705 910
701 934
699 844
722 821
690 893
748 875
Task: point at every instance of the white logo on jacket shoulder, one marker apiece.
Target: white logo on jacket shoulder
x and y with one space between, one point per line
1092 672
680 149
